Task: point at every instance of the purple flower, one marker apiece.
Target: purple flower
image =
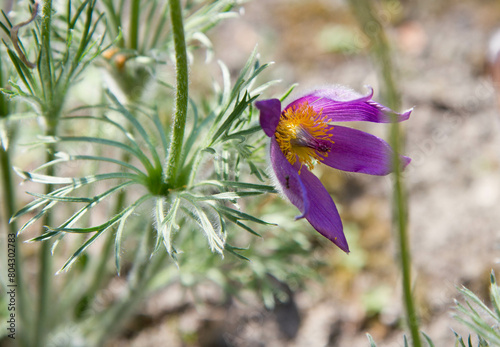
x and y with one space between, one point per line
302 135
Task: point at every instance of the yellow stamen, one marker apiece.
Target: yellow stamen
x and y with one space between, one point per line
303 133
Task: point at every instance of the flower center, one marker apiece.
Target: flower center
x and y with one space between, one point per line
303 134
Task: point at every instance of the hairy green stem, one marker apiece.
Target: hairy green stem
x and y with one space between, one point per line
9 209
9 203
181 101
50 111
8 191
135 11
381 53
46 273
45 63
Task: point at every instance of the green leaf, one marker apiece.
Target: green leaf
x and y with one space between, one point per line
193 136
65 157
167 225
149 19
245 185
79 251
240 81
160 28
371 340
216 239
241 215
77 14
246 227
30 207
254 75
209 150
61 198
259 173
226 83
4 27
89 139
163 136
95 201
118 238
237 111
233 250
428 339
495 295
109 223
471 296
208 16
75 181
140 129
23 71
222 196
288 92
37 203
45 236
240 135
257 91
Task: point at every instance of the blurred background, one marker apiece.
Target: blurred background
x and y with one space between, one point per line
444 62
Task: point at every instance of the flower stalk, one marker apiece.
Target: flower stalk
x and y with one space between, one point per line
381 53
181 100
45 271
9 206
134 24
9 202
44 64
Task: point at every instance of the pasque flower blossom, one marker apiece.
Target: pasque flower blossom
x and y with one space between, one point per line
302 135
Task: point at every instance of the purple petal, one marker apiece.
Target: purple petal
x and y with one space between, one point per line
270 113
288 179
356 151
323 214
309 195
404 161
341 104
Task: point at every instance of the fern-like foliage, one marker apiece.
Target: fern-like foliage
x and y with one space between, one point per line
481 319
222 144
